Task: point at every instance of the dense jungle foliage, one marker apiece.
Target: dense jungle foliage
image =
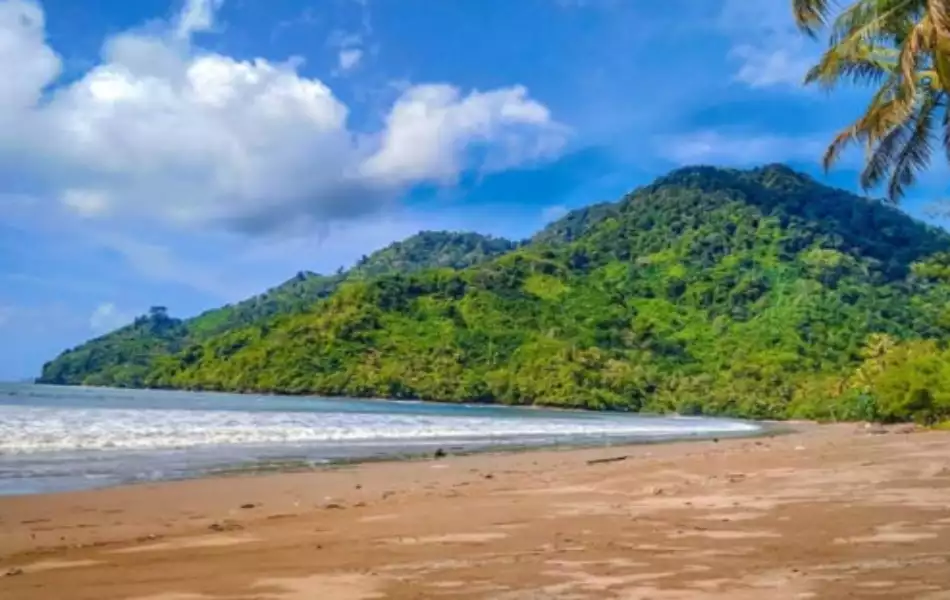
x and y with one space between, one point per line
124 357
755 293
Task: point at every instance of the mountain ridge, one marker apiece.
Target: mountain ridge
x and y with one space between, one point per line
158 334
709 290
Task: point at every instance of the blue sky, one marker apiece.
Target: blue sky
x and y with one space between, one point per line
193 153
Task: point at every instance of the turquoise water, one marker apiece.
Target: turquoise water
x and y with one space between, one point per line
66 438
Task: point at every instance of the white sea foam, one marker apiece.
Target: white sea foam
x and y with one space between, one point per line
34 429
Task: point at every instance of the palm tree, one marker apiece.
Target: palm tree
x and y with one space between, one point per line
902 47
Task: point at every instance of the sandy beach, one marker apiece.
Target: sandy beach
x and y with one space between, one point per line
837 511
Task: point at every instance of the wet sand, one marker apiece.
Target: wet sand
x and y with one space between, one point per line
827 512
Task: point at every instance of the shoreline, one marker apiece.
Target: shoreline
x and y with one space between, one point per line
823 511
264 467
434 450
46 448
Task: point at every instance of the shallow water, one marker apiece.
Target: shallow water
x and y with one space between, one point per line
66 438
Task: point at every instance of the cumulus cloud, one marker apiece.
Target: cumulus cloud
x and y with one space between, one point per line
29 65
165 131
430 127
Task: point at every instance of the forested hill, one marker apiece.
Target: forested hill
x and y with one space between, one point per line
123 357
754 293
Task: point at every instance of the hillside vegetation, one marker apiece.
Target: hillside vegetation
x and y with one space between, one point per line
755 293
124 357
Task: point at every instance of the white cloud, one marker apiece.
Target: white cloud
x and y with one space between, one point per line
163 131
28 64
739 149
106 317
431 126
769 67
349 58
350 45
769 49
86 203
196 16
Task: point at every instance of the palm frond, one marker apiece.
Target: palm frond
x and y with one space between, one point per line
883 155
811 15
915 154
887 109
874 22
945 138
939 13
846 136
860 65
910 52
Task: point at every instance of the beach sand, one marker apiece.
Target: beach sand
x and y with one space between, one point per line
836 511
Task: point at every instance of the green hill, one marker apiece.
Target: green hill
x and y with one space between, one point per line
123 357
757 293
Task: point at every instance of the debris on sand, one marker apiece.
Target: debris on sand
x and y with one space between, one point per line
599 461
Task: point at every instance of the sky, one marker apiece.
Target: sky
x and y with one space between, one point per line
191 153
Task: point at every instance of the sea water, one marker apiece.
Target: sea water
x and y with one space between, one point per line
68 438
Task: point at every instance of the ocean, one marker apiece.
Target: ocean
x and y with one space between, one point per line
69 438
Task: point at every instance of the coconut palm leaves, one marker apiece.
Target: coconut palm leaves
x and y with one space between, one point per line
901 47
